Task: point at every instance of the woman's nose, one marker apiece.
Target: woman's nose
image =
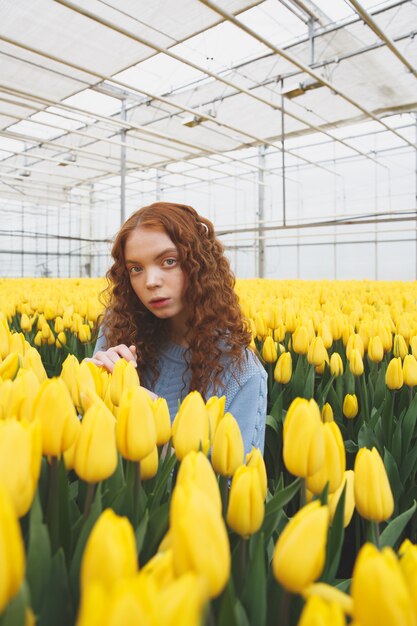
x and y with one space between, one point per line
153 278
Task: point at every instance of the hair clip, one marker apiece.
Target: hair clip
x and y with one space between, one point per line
205 227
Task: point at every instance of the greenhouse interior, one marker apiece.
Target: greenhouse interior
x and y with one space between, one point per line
208 313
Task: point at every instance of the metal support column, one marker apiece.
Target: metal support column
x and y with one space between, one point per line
123 165
261 212
90 229
158 185
284 197
415 114
22 254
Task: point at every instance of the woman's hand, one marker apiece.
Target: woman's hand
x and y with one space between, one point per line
108 358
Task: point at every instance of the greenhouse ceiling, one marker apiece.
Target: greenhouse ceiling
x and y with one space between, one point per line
103 92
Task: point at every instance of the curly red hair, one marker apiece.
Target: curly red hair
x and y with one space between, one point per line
216 324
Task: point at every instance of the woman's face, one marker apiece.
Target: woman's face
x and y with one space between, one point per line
152 261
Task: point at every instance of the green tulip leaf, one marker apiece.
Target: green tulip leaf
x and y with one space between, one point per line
408 425
297 382
15 612
408 466
393 475
273 423
157 527
335 541
231 611
380 386
38 559
392 533
58 607
254 593
141 531
325 392
273 508
162 478
308 391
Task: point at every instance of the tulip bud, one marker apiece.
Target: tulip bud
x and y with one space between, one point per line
22 395
410 370
215 407
319 612
317 353
10 366
190 429
373 495
20 461
149 465
4 341
32 361
379 590
400 347
25 323
162 421
124 376
300 340
375 349
261 326
199 538
334 498
408 564
135 425
228 451
303 439
336 365
17 343
300 551
110 553
355 342
413 346
283 368
95 456
394 378
246 509
327 413
196 468
350 406
269 350
255 459
324 332
12 552
355 362
334 465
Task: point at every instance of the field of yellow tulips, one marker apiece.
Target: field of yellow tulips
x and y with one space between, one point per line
111 515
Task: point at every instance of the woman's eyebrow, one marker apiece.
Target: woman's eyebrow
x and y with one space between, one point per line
158 256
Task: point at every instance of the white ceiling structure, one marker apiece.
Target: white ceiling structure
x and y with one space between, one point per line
126 95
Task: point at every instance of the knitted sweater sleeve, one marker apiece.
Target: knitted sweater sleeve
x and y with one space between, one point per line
246 398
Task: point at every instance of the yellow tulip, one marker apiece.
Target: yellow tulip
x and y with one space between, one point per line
4 341
20 462
350 406
246 509
355 362
22 395
327 413
300 340
408 563
355 342
190 429
379 590
228 451
61 340
400 347
215 407
32 361
78 379
303 440
269 350
413 346
336 365
135 425
300 551
95 456
283 368
181 602
124 376
199 538
330 594
261 326
10 366
375 349
255 459
149 465
197 469
12 552
84 333
325 333
94 606
348 480
410 370
17 343
162 421
25 323
59 422
373 495
317 353
394 378
110 553
334 464
318 612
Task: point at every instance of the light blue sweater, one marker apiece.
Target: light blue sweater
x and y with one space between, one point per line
245 389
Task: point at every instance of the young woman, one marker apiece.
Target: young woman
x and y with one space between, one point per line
173 311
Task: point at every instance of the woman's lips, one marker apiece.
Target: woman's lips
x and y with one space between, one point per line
159 302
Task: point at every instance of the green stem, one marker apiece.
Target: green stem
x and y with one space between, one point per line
224 492
373 533
303 493
410 395
89 496
52 508
242 558
284 614
137 485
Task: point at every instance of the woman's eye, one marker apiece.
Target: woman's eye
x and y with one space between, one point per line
170 262
135 269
